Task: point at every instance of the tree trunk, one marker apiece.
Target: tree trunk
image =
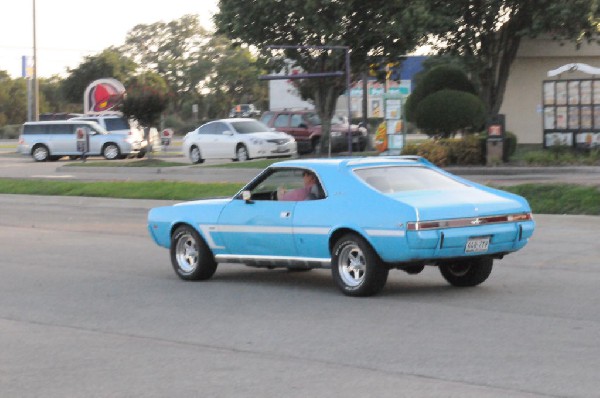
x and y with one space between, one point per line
325 102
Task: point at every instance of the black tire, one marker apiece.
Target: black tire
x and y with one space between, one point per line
241 153
315 146
357 270
40 153
111 151
190 256
467 273
195 155
141 154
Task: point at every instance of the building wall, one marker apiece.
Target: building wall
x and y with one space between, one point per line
523 96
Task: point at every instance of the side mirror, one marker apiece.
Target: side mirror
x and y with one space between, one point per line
247 196
227 132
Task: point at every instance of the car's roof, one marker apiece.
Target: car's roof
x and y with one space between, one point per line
69 121
234 119
357 162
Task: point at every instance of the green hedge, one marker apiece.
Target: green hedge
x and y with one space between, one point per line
10 131
469 150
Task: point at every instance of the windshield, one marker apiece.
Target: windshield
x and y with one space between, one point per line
249 126
314 119
392 179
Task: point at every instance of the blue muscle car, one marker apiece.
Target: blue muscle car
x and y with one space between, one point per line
360 217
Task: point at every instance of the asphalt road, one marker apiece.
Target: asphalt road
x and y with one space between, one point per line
90 307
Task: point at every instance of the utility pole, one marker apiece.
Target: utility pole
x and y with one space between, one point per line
36 87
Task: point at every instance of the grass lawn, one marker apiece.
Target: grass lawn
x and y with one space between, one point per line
543 198
119 189
145 162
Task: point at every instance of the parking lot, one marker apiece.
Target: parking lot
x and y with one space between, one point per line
91 307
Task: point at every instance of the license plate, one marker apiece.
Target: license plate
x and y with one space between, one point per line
477 245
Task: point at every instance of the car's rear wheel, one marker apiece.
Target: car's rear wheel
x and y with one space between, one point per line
356 268
241 153
40 153
466 273
190 256
195 155
111 151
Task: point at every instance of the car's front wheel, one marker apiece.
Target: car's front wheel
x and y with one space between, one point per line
195 155
111 151
241 153
190 256
466 273
356 268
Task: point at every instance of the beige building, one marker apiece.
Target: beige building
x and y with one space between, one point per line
523 102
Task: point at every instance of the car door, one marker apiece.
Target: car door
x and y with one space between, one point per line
261 226
96 139
204 138
62 139
224 141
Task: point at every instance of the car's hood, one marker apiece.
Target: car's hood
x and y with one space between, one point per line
269 135
459 203
204 202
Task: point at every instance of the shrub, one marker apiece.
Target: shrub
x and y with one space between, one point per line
510 145
447 111
438 78
450 151
10 131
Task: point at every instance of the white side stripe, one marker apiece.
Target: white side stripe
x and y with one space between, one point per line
208 229
384 232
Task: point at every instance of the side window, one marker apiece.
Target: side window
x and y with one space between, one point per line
62 129
288 184
206 129
219 128
85 127
34 129
296 121
282 120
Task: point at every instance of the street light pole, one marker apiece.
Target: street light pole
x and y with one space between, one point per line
316 75
36 87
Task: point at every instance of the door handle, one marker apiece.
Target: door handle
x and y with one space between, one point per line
285 214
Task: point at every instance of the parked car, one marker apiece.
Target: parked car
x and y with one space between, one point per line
238 139
305 127
116 123
371 215
51 140
244 110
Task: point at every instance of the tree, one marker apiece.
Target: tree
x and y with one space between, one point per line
176 50
235 72
488 33
147 97
13 99
109 63
368 28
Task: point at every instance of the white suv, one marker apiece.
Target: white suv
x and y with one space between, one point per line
52 140
116 123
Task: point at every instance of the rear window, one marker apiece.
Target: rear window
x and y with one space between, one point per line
113 124
393 179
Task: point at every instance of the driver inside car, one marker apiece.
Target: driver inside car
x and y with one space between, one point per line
310 190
